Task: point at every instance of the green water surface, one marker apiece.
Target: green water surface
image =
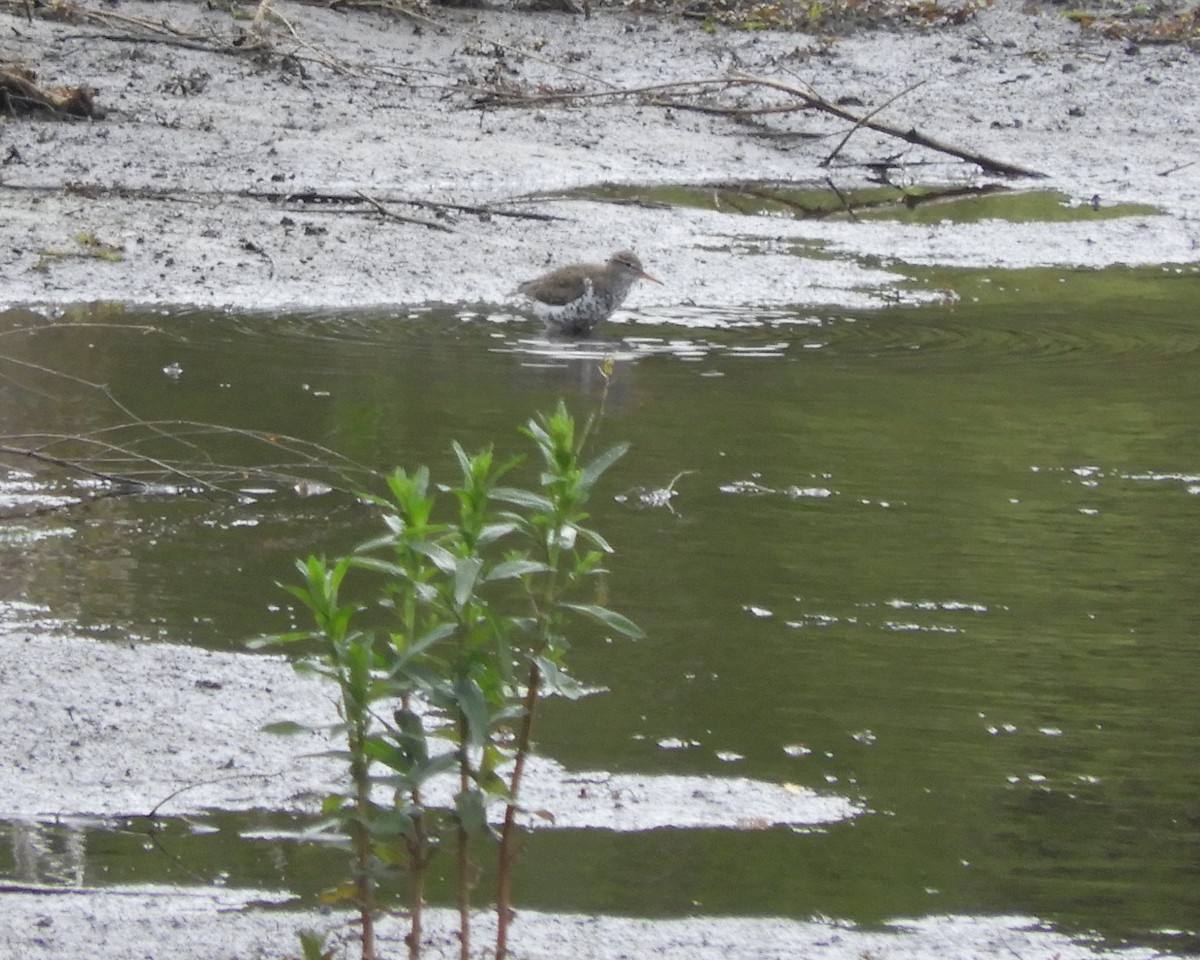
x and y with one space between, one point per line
941 560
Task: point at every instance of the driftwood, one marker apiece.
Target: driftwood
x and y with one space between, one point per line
911 135
20 95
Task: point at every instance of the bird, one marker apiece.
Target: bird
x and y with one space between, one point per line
574 299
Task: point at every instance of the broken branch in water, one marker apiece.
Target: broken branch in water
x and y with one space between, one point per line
138 455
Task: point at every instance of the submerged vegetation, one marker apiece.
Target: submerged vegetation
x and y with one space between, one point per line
464 630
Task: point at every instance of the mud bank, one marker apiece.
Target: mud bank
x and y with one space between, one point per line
189 173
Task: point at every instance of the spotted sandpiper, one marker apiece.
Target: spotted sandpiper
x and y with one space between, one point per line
575 298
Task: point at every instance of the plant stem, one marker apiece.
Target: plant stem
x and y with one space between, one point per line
508 852
464 839
418 854
364 886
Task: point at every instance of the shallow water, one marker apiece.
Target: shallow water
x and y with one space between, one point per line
936 559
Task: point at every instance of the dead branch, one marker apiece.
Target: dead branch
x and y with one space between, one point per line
501 98
883 106
431 224
28 453
912 135
661 95
315 197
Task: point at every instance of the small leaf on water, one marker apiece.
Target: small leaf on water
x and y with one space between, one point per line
277 639
332 804
522 498
286 728
342 893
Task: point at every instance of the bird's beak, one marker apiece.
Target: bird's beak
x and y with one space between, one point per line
645 276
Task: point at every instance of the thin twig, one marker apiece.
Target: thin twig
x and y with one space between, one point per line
841 198
205 783
321 197
400 217
858 125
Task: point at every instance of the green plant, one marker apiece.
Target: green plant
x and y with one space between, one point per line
313 946
468 627
559 553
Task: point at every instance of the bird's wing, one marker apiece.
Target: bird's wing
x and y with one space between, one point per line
556 289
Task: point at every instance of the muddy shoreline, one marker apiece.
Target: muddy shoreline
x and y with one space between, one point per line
188 173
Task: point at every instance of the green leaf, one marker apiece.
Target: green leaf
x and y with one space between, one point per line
466 572
597 540
416 776
308 668
427 640
441 558
312 945
386 753
410 736
391 823
386 567
468 698
494 785
332 804
556 680
286 728
470 811
381 541
511 569
593 470
609 618
464 461
523 498
439 764
492 532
